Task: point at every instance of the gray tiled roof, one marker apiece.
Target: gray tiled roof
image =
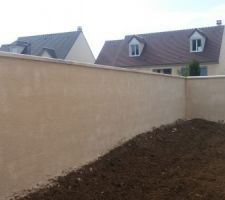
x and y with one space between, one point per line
163 48
57 45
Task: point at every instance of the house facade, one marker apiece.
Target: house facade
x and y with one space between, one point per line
67 46
169 52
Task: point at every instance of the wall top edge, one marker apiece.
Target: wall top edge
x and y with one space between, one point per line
97 66
80 64
205 77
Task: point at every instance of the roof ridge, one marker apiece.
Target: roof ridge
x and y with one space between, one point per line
177 30
49 34
114 40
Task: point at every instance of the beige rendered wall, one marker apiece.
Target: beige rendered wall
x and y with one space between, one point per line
206 98
58 115
81 51
219 69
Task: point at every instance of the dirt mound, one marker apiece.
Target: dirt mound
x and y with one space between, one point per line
178 162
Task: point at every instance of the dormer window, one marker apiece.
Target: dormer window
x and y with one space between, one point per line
48 53
136 45
135 50
197 45
16 49
197 41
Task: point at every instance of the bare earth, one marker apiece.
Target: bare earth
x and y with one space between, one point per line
183 161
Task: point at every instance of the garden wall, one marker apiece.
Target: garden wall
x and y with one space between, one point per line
206 98
57 115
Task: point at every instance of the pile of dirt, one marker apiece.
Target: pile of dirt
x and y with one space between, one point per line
177 162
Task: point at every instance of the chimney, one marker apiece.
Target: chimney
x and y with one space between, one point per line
79 28
218 22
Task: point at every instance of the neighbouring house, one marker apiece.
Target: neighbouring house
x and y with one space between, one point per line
169 52
67 46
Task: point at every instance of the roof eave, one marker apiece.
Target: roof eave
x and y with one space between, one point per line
167 64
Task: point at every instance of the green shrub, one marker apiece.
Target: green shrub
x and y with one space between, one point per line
194 68
184 71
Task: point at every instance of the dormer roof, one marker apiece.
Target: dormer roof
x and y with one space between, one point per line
198 31
140 39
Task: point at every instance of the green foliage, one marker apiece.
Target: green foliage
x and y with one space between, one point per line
184 71
194 68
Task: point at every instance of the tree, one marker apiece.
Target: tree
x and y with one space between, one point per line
194 68
184 71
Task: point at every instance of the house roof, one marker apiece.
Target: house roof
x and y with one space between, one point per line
57 45
163 48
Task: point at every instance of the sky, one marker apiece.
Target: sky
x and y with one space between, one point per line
103 20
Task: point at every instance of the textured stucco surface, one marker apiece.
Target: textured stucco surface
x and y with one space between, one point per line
56 115
206 98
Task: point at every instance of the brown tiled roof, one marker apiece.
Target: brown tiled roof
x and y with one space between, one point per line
163 48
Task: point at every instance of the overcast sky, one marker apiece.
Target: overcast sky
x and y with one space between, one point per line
104 20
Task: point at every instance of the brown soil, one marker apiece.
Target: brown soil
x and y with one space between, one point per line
177 162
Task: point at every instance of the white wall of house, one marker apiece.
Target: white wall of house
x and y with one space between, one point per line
81 51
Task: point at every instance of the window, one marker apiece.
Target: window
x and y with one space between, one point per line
163 71
134 48
156 70
197 41
203 71
167 71
16 49
185 71
197 45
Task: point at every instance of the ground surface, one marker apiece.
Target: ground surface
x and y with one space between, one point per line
178 162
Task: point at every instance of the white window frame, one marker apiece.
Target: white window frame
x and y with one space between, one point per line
195 37
197 48
136 49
